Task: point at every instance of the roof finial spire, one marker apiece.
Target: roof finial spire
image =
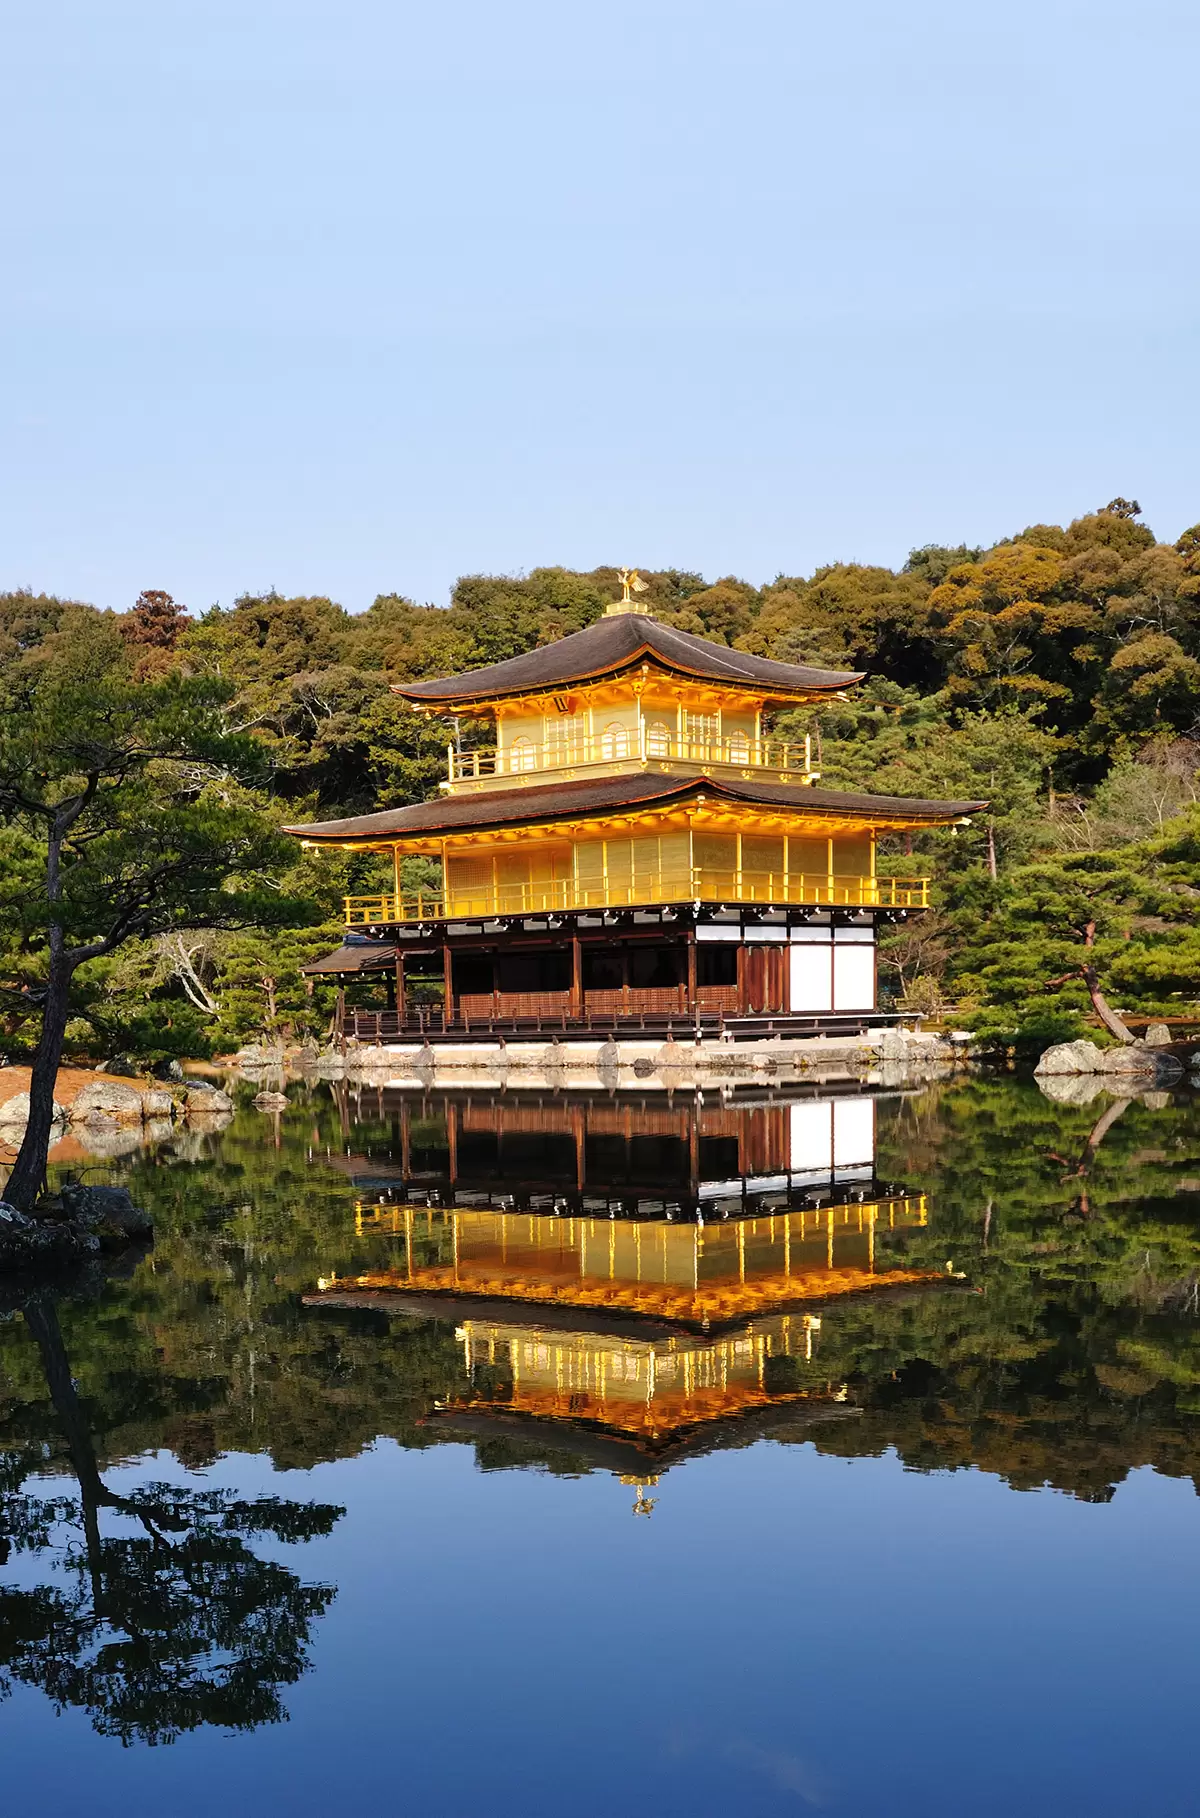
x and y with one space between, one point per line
631 583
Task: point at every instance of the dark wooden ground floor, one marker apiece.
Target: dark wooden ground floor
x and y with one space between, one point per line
663 979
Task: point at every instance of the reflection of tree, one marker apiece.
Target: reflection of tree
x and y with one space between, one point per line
158 1630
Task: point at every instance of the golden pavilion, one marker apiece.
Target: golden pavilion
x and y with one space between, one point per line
632 850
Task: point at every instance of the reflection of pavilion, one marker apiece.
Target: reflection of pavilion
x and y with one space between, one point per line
694 1276
626 1158
629 1282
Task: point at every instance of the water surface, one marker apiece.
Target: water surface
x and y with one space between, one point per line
823 1452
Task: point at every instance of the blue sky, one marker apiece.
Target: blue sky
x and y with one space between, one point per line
356 298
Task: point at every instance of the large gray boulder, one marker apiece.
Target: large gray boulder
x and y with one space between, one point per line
157 1103
258 1055
37 1243
108 1098
14 1112
207 1101
1071 1057
1138 1060
1157 1036
108 1211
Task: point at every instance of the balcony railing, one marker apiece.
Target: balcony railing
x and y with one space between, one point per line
776 888
639 744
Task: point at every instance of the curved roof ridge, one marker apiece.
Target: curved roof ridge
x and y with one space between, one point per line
614 643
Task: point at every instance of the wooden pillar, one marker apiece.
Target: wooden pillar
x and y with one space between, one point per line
447 984
576 977
401 1005
452 1138
389 985
743 977
690 939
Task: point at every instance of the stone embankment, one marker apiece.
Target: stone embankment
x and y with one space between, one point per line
98 1102
899 1053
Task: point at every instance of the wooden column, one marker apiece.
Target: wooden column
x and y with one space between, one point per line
576 977
401 1005
690 939
447 984
389 985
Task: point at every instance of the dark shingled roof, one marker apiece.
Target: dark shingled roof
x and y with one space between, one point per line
356 956
565 801
614 645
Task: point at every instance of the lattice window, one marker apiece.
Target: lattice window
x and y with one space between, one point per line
702 728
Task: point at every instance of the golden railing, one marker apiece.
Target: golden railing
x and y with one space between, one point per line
639 744
779 889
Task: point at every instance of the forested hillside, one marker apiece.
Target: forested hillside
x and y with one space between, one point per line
1056 674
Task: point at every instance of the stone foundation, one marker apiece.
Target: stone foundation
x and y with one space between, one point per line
651 1063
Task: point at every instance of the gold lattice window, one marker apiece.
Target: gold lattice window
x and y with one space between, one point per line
702 728
614 742
658 739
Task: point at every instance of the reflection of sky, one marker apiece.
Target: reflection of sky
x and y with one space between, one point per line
787 1633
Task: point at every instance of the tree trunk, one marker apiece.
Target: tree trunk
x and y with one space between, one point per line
29 1170
1104 1010
991 849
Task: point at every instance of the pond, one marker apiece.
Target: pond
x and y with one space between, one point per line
834 1450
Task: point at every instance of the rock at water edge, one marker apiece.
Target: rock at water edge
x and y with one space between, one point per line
110 1099
1071 1057
205 1101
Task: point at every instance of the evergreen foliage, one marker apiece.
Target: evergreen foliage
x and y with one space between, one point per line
1056 674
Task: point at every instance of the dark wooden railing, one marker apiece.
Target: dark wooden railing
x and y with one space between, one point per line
429 1020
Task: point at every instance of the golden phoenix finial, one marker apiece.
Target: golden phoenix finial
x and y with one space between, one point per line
631 582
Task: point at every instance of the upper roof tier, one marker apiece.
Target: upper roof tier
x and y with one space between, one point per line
612 647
